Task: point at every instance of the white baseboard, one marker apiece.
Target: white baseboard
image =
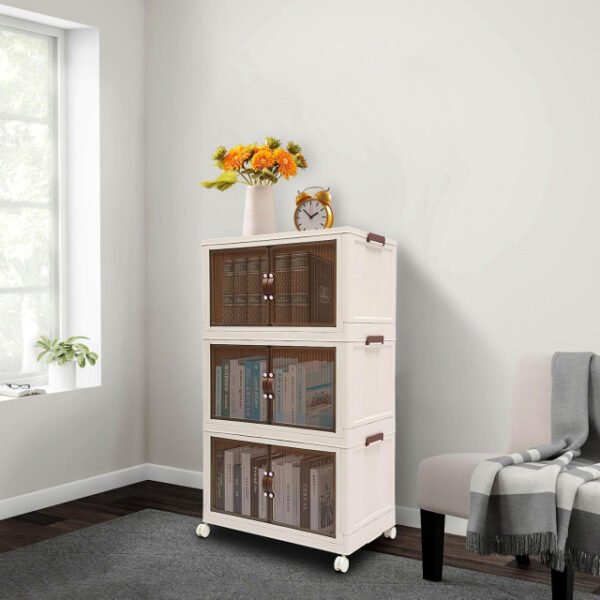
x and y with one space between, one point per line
174 476
18 505
411 517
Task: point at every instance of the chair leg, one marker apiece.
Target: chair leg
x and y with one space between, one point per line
432 544
523 560
562 584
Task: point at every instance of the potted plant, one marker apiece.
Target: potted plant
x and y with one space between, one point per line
259 167
62 358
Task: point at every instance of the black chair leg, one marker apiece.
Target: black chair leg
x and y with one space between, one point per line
523 560
432 544
562 584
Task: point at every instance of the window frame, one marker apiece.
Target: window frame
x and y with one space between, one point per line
58 280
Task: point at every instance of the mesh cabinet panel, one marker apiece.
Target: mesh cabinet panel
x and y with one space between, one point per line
304 287
237 475
237 383
304 387
236 287
303 487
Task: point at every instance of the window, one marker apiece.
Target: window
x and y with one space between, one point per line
29 195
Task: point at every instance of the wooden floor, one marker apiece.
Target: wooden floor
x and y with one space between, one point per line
56 520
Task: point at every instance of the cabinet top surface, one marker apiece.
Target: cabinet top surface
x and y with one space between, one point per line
292 235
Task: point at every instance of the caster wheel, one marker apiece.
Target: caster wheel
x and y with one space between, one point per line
203 530
341 564
390 533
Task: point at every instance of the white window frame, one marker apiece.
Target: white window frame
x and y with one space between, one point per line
58 282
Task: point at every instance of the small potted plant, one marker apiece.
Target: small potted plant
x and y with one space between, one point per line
259 167
63 357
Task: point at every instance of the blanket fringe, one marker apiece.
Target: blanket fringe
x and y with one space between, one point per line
585 562
512 545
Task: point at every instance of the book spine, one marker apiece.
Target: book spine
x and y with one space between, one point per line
240 290
219 502
241 390
229 462
322 305
246 480
263 502
234 384
283 308
278 406
256 475
278 500
326 499
300 397
314 498
256 389
263 406
248 388
292 394
226 389
286 416
287 485
237 488
218 391
295 485
305 493
228 293
300 287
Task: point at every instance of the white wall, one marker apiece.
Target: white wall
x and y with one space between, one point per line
50 440
467 129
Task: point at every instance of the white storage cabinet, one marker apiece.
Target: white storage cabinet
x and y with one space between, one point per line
299 387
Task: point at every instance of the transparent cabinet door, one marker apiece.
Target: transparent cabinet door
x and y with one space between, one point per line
237 383
304 284
238 472
303 387
303 489
236 287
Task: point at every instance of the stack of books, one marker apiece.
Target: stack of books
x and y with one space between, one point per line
238 389
303 284
303 487
303 391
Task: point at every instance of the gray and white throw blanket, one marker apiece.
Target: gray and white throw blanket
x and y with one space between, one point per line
545 501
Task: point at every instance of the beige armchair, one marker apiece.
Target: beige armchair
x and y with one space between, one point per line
443 482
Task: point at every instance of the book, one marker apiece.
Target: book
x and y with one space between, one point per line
231 458
248 387
219 479
300 287
218 391
277 467
240 290
322 305
305 485
283 309
258 466
292 394
225 411
292 491
249 477
5 390
237 488
256 305
228 294
260 366
319 397
322 498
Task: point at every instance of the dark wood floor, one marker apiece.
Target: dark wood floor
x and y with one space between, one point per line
56 520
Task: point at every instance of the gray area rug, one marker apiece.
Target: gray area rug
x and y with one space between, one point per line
155 555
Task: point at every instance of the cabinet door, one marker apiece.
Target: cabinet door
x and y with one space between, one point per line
303 486
304 285
237 380
236 287
303 387
237 473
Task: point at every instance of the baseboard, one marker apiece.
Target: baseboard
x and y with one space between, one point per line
18 505
174 476
411 517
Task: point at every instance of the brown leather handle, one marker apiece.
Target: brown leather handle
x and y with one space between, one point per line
374 339
267 282
268 385
268 484
376 437
375 237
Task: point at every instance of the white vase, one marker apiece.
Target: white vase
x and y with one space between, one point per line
62 378
259 211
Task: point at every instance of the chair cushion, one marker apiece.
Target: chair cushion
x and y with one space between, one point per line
443 482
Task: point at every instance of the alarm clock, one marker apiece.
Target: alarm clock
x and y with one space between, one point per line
313 211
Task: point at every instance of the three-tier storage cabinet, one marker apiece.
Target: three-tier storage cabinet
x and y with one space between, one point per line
299 387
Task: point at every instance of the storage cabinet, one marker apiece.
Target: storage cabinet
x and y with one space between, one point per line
299 387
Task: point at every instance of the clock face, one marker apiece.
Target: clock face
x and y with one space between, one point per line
310 214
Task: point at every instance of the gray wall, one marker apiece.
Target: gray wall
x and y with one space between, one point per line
50 440
465 129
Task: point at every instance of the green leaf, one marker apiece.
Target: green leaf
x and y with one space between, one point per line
81 360
223 181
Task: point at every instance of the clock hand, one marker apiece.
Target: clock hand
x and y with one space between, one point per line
304 211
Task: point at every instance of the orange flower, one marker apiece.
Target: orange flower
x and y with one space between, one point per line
236 157
286 163
263 159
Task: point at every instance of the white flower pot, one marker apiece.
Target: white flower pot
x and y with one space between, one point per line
259 211
62 378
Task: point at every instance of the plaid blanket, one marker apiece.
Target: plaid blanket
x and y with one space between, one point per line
545 501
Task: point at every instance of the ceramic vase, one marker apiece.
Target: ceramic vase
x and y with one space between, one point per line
62 377
259 210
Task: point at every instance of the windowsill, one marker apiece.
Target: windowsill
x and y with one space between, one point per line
50 392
